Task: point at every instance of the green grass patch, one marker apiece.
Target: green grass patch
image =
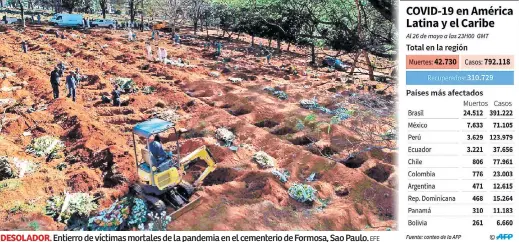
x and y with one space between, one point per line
24 207
10 185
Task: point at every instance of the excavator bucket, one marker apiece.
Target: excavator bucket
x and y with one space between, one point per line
194 202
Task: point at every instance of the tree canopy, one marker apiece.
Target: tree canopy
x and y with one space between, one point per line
347 25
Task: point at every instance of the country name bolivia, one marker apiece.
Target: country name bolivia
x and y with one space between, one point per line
423 149
417 222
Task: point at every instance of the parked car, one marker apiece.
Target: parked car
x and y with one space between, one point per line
109 23
9 20
67 20
335 63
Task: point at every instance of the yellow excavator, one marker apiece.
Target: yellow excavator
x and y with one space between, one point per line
162 26
163 187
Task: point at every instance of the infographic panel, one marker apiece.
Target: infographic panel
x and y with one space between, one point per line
458 120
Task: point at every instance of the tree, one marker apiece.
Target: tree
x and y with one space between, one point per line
120 5
196 9
57 6
70 5
207 17
295 21
89 6
142 15
21 5
132 9
104 6
225 17
385 8
174 12
361 26
154 8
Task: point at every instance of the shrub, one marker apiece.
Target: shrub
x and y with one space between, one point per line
302 193
157 222
169 115
235 80
309 121
126 84
279 94
311 178
45 146
282 175
53 206
111 218
10 185
309 104
342 113
34 225
300 125
333 120
139 211
23 207
75 204
324 203
225 135
24 167
80 203
118 215
263 159
389 135
6 171
61 166
148 90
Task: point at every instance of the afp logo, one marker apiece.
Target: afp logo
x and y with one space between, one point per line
504 237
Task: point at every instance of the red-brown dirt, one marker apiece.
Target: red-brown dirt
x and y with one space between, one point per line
239 195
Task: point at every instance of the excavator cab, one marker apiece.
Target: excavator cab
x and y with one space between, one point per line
163 185
148 173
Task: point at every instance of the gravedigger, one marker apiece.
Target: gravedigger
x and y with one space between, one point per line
164 188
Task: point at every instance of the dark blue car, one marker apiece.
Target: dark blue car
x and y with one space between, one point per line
335 63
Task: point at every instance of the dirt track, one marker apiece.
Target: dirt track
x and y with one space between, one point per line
238 195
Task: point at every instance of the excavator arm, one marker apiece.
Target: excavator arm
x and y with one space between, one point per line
201 153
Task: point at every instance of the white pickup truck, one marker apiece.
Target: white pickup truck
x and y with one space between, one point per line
109 23
9 21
